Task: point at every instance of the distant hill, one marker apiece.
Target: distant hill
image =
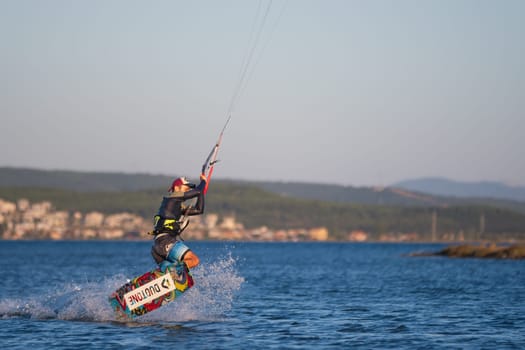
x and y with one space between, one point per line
276 205
381 196
118 182
123 182
450 188
81 181
350 194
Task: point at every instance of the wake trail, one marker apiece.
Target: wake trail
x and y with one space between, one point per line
209 299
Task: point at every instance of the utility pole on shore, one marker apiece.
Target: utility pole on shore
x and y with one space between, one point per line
481 225
434 225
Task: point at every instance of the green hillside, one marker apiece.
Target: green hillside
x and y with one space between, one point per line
275 205
88 182
255 207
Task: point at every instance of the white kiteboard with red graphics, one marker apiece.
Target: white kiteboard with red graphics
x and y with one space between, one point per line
151 291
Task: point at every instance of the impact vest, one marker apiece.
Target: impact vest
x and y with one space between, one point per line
173 210
168 215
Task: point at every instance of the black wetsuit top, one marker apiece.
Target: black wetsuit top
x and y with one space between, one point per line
172 209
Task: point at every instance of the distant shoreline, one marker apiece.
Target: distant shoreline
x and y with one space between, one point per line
492 251
451 244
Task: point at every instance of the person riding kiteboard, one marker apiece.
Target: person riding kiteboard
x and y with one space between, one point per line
172 218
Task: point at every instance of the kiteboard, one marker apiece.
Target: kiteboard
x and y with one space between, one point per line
151 291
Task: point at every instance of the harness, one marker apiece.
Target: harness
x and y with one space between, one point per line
169 226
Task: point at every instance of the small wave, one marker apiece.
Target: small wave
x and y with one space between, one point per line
208 300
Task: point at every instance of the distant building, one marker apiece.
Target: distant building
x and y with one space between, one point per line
40 209
6 207
319 234
112 233
77 218
22 204
228 223
357 236
94 219
25 220
210 220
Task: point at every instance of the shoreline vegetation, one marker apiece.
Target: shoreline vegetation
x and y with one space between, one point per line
75 205
262 215
490 251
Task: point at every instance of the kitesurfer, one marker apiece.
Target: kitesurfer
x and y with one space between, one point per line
172 219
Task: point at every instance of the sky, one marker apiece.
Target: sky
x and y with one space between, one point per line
357 93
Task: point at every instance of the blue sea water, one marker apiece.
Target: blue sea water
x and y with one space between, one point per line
53 295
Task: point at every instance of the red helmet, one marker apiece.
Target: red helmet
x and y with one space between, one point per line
179 182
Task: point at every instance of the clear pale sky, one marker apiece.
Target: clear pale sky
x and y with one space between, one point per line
348 92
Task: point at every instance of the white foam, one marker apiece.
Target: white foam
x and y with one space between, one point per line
209 299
